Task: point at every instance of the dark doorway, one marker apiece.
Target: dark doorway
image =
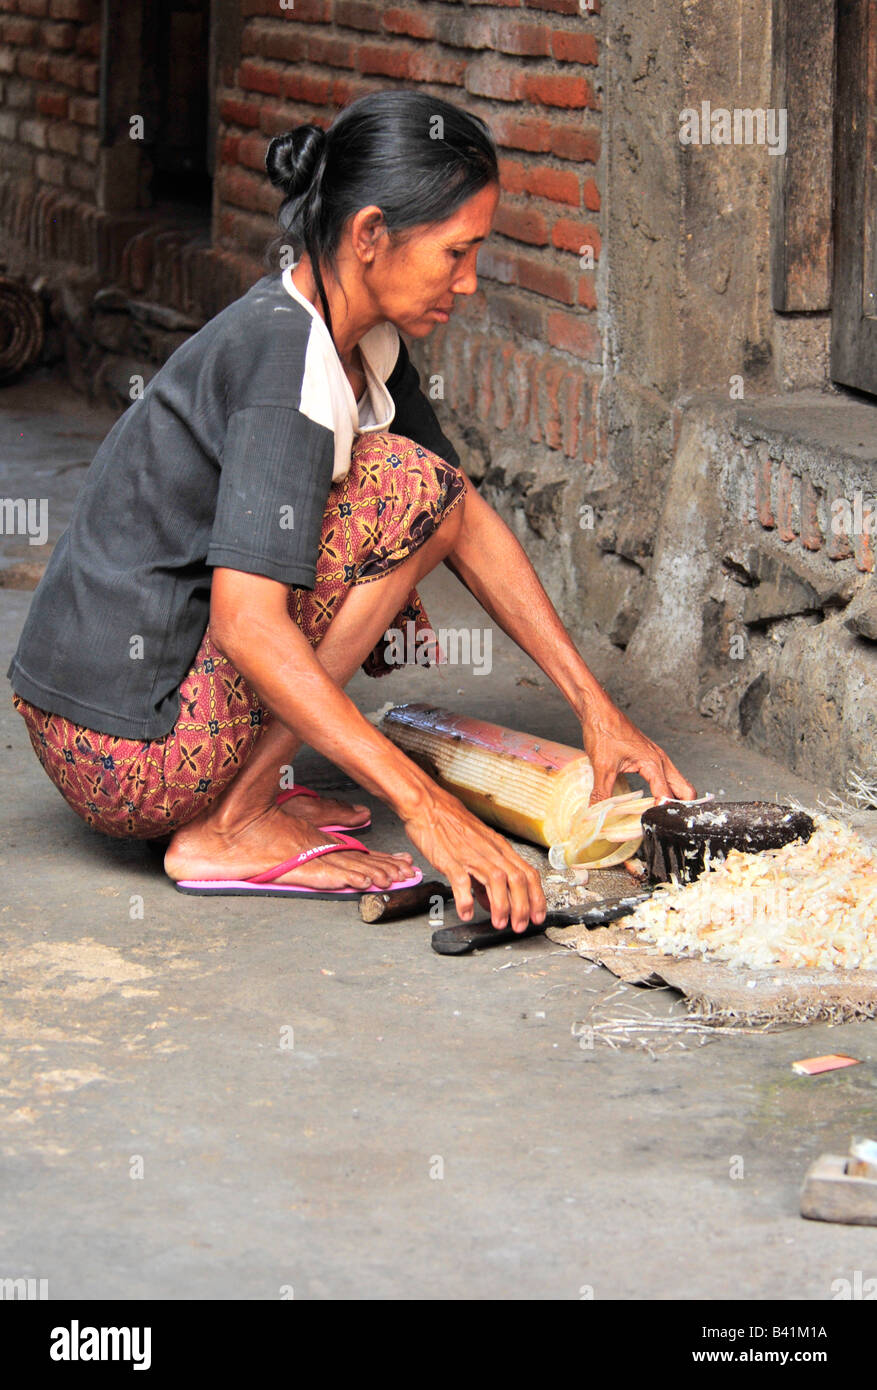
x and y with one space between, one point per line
176 68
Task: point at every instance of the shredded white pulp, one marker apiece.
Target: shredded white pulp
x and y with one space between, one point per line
808 905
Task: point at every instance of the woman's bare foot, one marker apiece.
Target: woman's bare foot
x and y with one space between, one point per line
325 810
201 850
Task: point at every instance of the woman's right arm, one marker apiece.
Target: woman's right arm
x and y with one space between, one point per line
250 623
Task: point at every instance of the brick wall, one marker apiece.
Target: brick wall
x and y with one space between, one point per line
524 357
49 82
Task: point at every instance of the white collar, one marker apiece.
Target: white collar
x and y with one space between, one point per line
382 403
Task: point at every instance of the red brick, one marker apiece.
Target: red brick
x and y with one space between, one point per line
575 48
512 176
587 292
285 43
864 550
550 410
556 6
568 235
568 142
21 31
331 51
512 4
559 89
433 67
811 532
276 120
303 86
88 41
52 104
235 112
251 151
575 333
560 185
64 138
59 37
548 280
7 60
33 65
488 78
388 60
524 40
519 314
353 14
246 190
83 11
83 110
591 196
38 8
523 224
416 26
65 70
255 77
228 149
90 147
521 132
345 91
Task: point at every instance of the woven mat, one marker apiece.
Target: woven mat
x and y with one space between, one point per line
720 993
715 993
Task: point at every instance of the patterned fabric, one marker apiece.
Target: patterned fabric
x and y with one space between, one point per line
392 500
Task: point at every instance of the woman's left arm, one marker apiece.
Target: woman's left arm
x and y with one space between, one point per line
492 564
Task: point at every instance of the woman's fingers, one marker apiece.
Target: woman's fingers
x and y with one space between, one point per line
681 789
478 863
462 890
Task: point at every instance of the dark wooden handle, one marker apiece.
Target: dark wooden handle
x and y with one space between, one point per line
407 902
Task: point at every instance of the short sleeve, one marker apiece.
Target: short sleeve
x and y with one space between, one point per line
275 476
414 416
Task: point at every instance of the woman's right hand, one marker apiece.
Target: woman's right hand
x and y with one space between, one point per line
476 861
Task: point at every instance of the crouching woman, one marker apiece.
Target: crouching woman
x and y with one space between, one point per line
252 525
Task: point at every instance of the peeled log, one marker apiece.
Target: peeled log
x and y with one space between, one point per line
529 787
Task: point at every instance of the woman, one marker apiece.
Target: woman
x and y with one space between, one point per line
251 526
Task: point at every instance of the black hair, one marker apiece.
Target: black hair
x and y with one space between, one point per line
414 156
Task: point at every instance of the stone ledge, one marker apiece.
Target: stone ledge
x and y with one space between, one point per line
755 603
838 423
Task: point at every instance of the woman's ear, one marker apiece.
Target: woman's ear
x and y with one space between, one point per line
366 230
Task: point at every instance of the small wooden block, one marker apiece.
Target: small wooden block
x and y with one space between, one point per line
830 1193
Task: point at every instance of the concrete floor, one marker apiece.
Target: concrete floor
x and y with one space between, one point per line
435 1131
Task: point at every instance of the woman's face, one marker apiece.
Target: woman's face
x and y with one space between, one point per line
413 283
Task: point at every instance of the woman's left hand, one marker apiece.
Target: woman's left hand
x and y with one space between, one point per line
615 745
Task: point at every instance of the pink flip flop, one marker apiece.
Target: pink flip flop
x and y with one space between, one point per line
306 791
264 885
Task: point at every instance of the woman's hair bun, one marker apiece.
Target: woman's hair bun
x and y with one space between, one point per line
291 159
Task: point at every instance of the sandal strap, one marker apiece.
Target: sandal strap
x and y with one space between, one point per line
296 791
269 875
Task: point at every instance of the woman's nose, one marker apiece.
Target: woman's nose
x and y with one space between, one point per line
466 282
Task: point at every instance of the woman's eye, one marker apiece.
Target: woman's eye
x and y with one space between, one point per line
458 255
